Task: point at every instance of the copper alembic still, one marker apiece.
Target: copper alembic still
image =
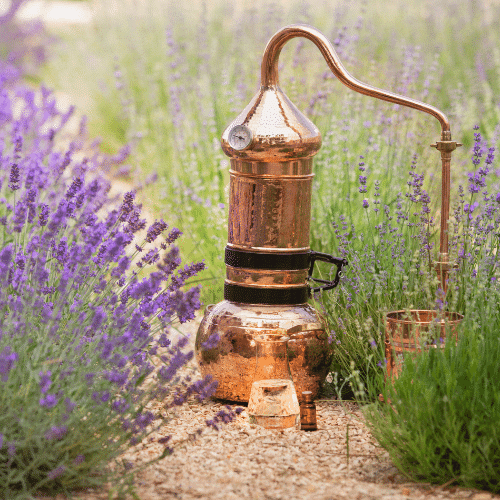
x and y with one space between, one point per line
269 263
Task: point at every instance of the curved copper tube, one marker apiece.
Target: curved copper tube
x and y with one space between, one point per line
269 70
269 78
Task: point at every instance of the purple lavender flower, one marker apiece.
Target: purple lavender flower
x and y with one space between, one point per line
223 416
7 361
14 177
45 381
211 342
170 261
191 270
164 341
468 209
56 433
57 472
117 377
155 230
172 236
66 272
6 255
120 405
70 406
75 187
98 318
49 401
44 215
135 223
144 420
166 373
127 205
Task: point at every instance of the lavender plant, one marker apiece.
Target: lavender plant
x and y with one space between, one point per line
22 45
86 308
440 423
440 426
177 85
392 261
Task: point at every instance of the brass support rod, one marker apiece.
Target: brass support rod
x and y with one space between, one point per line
443 265
269 78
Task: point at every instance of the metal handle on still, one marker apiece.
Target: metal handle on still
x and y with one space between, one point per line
326 284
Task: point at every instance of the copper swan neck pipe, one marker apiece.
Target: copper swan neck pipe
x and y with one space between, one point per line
269 79
269 71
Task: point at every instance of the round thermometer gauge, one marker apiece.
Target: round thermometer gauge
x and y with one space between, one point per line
240 137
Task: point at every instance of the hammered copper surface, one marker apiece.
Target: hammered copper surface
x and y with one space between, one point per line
281 131
300 167
232 361
269 212
408 331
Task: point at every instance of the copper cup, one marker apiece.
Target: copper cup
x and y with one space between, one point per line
414 330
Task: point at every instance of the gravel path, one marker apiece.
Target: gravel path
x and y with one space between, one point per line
239 462
244 463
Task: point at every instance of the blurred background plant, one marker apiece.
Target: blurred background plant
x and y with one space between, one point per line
392 257
440 423
168 78
23 46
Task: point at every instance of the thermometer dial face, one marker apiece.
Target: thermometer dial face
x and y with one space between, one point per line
240 137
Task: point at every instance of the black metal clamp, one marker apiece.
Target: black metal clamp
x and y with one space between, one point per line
324 257
278 261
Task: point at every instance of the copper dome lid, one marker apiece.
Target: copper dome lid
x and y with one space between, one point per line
279 131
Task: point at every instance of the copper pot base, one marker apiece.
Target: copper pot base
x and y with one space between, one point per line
232 361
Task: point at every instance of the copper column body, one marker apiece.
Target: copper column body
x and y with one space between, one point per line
268 260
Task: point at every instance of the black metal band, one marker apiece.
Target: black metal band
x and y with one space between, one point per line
268 261
271 296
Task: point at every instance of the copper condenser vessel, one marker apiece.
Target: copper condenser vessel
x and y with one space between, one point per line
268 260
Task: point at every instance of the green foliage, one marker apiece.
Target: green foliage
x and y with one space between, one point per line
441 423
83 318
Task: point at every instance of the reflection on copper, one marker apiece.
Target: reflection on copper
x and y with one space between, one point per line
273 402
232 361
269 212
249 277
